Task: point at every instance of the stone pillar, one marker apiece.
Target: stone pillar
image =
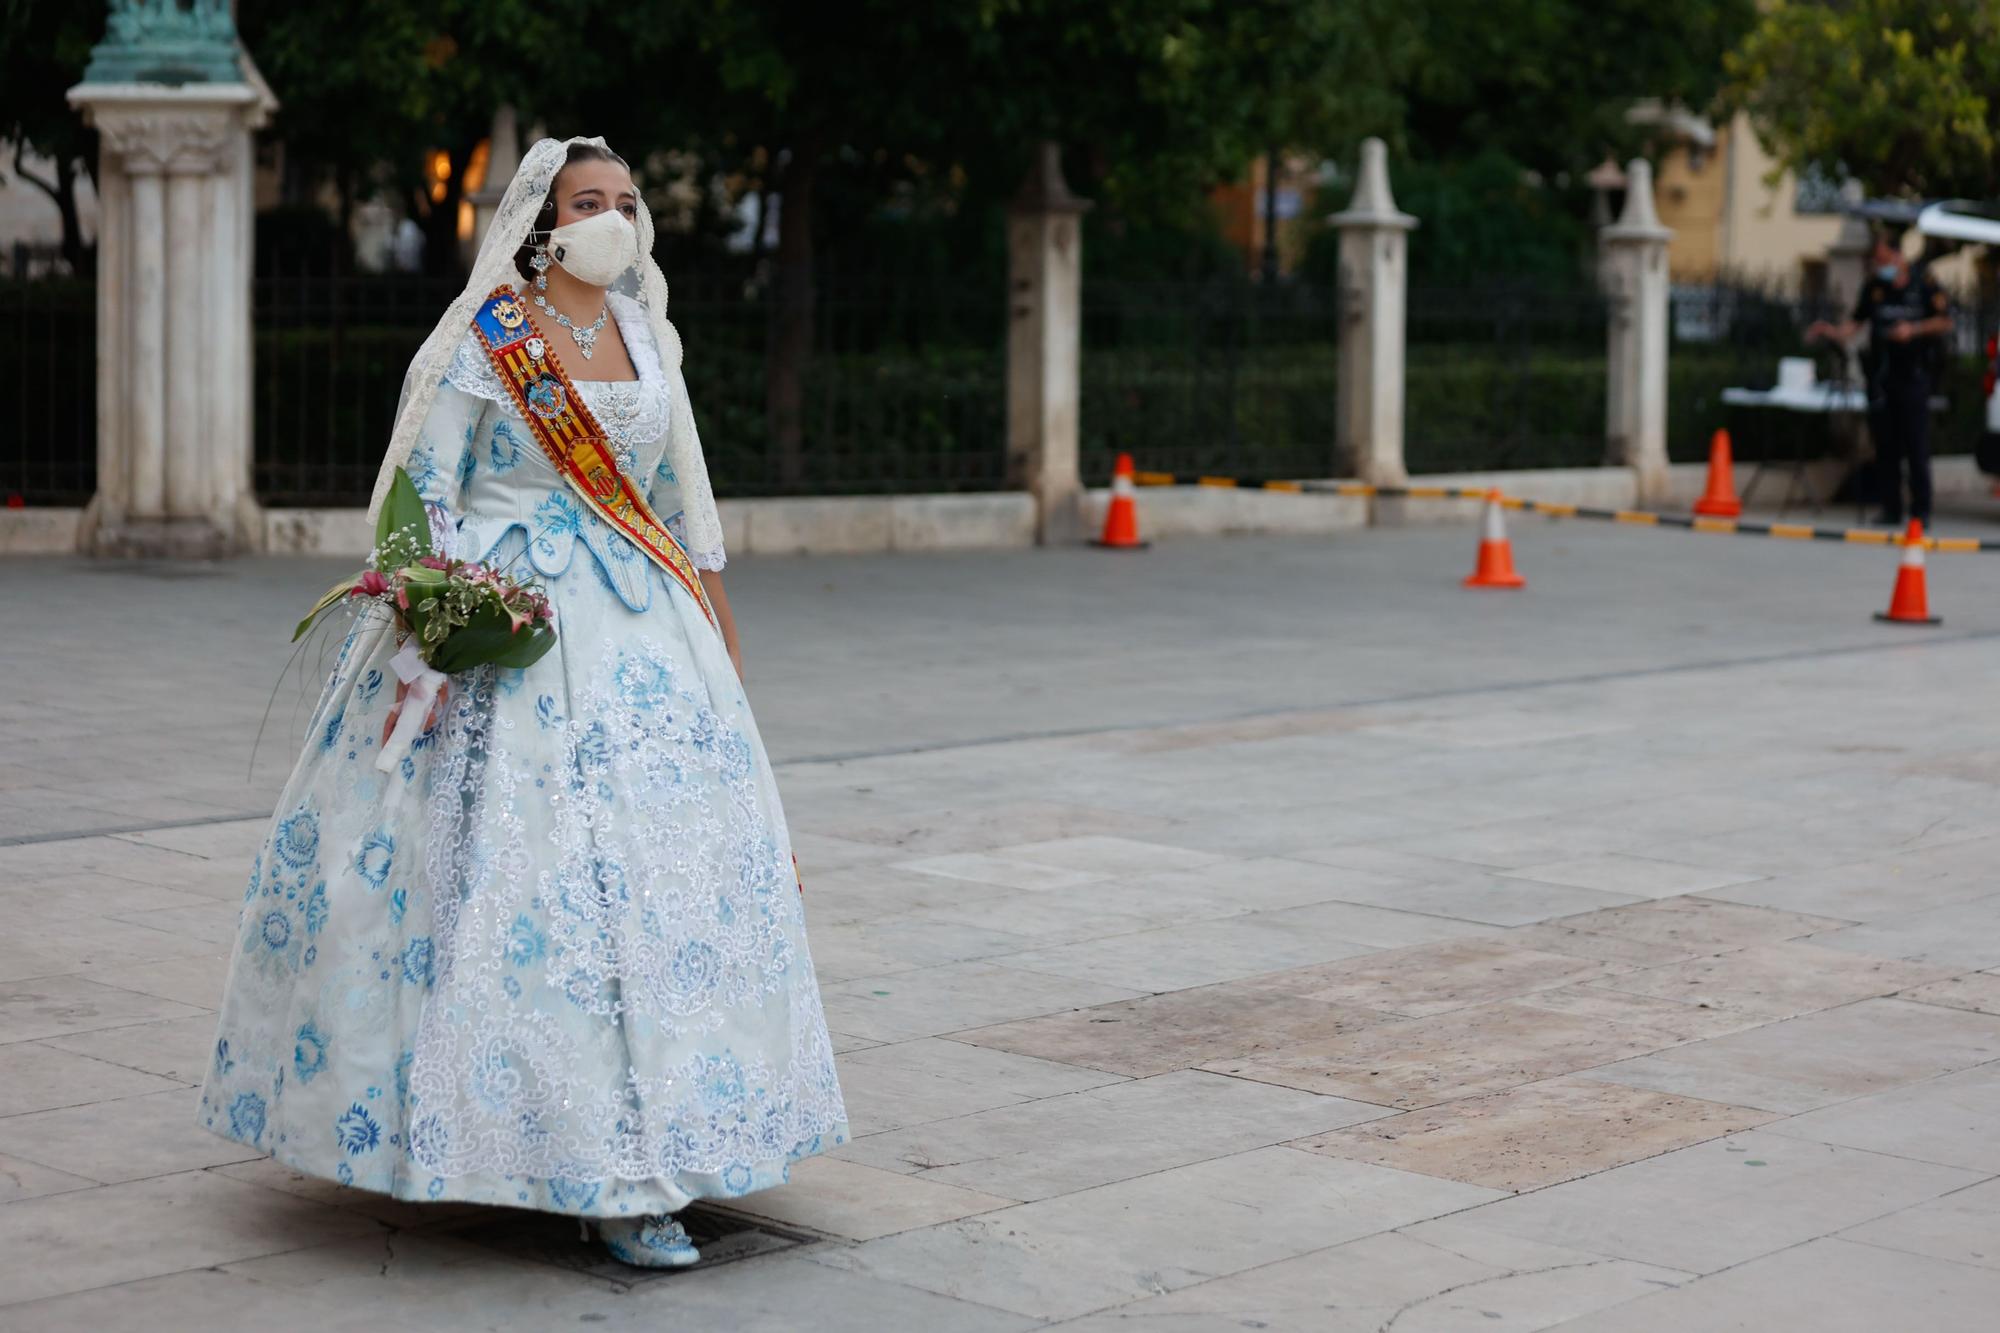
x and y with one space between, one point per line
1044 346
143 453
1374 279
173 316
1634 268
1847 263
503 159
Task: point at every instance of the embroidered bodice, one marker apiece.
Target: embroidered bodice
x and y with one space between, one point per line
634 413
479 463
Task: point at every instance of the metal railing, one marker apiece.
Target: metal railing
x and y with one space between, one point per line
1504 376
904 390
905 387
330 357
1225 376
48 417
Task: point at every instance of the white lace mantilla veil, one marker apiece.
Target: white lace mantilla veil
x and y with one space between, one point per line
495 265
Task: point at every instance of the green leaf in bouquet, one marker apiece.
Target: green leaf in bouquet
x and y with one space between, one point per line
334 596
526 647
490 638
404 509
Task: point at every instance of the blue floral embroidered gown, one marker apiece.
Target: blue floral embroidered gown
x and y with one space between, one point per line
557 959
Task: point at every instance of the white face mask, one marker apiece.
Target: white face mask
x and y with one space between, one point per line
596 250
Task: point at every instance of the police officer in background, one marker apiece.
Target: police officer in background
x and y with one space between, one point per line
1908 318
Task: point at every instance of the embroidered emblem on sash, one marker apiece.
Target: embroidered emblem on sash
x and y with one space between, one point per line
545 396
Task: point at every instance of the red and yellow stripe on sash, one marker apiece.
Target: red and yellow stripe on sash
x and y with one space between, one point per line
570 436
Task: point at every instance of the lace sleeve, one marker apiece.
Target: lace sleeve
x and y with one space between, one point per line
442 460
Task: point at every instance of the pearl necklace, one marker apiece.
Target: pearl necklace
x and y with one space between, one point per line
584 338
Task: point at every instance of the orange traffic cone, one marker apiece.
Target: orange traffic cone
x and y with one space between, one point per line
1121 517
1909 604
1496 554
1720 501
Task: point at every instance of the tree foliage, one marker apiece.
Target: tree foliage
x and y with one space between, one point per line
366 88
1901 95
43 48
1548 82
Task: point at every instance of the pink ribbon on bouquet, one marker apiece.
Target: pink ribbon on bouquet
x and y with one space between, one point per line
424 682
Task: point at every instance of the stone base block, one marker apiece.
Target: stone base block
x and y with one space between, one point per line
40 531
163 539
1214 511
961 522
811 525
318 532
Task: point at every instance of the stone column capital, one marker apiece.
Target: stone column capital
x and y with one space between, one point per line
1638 226
153 129
149 142
1373 207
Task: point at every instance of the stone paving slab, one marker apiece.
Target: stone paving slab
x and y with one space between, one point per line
1719 1204
1433 979
1079 1252
1535 1135
915 1082
1210 941
1162 1033
1829 1286
1946 1120
1392 1280
1963 1227
1777 980
1976 991
1482 1048
1040 1149
1819 1059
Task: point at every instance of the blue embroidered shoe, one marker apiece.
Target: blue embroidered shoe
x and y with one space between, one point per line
647 1242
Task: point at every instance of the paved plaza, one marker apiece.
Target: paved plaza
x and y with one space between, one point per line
1243 934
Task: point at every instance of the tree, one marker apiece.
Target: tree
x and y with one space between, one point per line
367 89
1901 95
1548 82
43 48
1160 98
1171 97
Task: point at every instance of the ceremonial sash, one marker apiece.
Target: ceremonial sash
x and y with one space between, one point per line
571 437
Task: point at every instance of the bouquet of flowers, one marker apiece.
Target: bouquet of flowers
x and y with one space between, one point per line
452 615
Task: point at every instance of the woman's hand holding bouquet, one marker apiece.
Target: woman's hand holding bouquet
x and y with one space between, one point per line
451 615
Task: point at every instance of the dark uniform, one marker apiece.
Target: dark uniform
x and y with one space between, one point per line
1900 378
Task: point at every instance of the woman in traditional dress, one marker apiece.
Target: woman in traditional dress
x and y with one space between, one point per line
554 956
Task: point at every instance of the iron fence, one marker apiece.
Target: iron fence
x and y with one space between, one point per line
48 423
330 356
1222 377
905 386
904 390
1504 377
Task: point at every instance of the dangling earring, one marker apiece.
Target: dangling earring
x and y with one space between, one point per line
539 261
